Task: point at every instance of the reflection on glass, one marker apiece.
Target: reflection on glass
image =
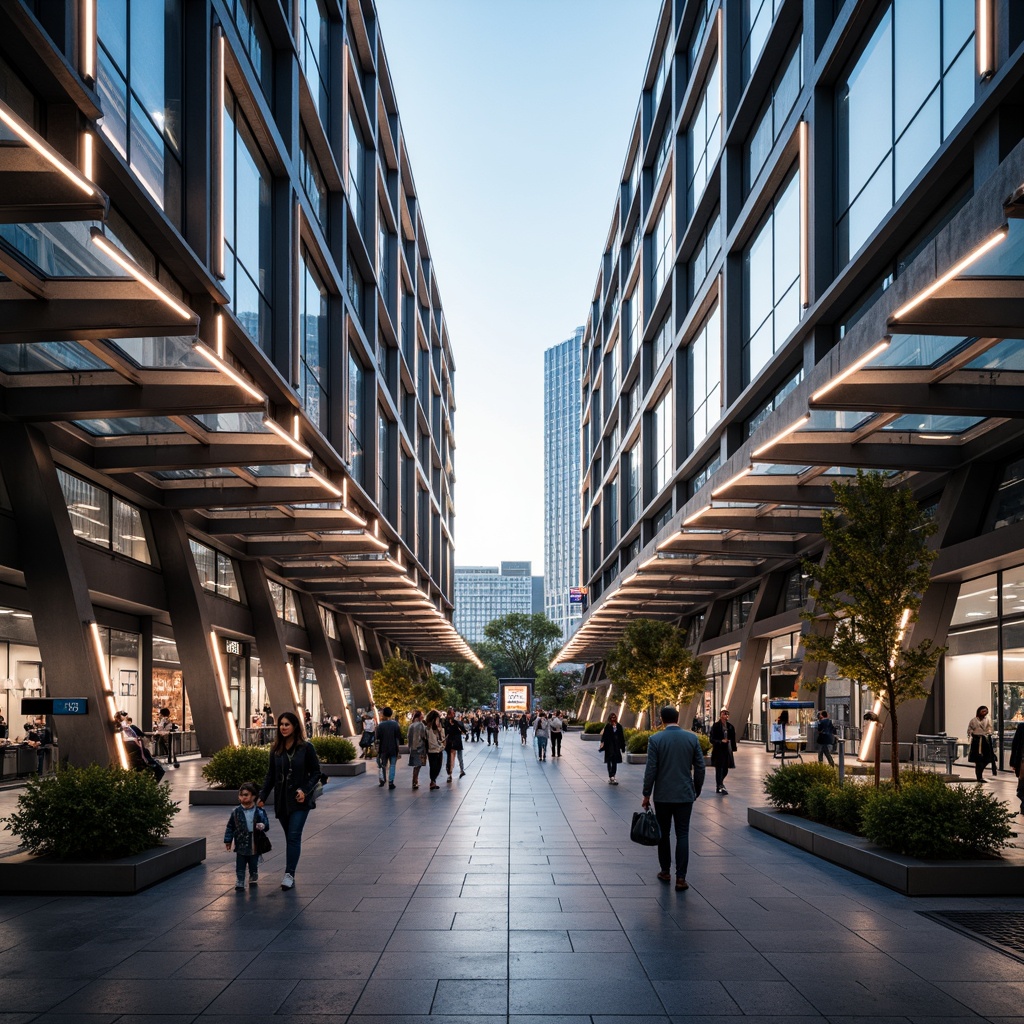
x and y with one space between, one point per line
48 357
978 599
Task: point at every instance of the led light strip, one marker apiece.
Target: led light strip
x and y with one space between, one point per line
957 268
324 482
211 357
225 692
286 437
108 693
28 136
851 369
986 62
139 274
730 685
733 480
791 429
805 210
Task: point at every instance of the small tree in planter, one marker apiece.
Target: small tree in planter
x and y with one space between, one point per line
395 685
651 666
333 749
231 766
870 587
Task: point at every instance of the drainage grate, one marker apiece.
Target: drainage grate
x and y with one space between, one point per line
1003 932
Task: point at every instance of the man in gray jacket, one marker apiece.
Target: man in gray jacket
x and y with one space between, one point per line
675 774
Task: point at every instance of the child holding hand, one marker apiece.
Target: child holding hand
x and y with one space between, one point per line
245 822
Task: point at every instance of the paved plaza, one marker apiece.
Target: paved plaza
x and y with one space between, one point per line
511 895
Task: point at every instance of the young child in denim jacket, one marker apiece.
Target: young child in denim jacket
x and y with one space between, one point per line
245 820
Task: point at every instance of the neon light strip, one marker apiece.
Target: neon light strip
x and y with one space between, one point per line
89 39
108 693
220 242
225 692
948 276
694 516
851 369
294 684
211 357
325 483
805 210
88 156
791 429
140 275
731 684
730 482
286 437
984 34
29 138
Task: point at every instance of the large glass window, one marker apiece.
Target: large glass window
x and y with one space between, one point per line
771 264
384 464
662 252
356 416
102 518
785 91
354 287
356 170
706 252
611 515
758 16
662 153
1008 505
632 484
911 84
384 256
216 571
312 179
313 383
704 358
662 448
256 41
247 226
139 79
705 139
314 53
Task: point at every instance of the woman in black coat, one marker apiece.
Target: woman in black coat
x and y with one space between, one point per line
613 743
723 744
293 774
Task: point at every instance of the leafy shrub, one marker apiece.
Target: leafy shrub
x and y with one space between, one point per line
93 813
839 806
933 820
787 786
705 743
592 727
334 749
637 742
232 766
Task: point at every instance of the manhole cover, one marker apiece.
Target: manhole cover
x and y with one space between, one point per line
1001 931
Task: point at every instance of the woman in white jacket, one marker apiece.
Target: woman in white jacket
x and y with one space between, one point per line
979 729
541 732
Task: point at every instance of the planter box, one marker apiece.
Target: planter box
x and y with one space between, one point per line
594 737
636 758
219 798
335 771
908 875
26 873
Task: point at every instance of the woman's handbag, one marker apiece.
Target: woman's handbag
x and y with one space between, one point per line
261 841
645 829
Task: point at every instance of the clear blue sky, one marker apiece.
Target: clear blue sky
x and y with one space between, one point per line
516 116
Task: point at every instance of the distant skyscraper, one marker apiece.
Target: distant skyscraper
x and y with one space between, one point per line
486 592
562 481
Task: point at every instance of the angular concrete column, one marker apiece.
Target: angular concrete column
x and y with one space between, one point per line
58 595
269 636
331 692
208 694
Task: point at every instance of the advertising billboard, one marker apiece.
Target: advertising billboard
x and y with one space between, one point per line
516 695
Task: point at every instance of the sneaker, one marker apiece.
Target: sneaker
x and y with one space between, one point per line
460 775
240 886
391 785
613 782
449 778
380 782
724 791
254 881
288 881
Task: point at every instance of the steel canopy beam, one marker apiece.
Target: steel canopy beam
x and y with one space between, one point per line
990 399
153 452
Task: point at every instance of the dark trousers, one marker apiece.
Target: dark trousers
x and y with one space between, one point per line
492 734
612 765
721 770
165 741
667 814
1020 788
826 749
556 744
435 761
242 861
293 826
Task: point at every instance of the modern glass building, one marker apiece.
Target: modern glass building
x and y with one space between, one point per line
226 377
562 480
486 592
814 265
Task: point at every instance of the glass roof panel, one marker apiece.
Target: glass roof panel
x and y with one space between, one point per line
48 357
161 353
921 423
60 250
192 474
840 471
1003 260
772 469
129 425
233 422
836 419
917 350
294 470
1007 355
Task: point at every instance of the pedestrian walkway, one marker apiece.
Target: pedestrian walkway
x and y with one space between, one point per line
512 895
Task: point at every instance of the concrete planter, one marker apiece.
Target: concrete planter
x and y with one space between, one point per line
219 798
26 873
636 758
348 770
593 737
908 875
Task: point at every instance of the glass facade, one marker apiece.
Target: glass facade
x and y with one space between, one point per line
314 355
662 446
705 138
356 417
704 365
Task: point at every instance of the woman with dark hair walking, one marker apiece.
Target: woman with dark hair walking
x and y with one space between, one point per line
435 745
293 774
613 744
982 754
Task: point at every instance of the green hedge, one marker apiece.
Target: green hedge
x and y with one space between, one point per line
636 741
924 818
705 743
334 749
92 813
232 766
592 727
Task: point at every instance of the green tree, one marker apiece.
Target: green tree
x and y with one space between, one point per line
651 666
526 641
396 685
869 587
472 686
558 689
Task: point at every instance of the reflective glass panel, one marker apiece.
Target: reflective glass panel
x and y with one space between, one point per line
1007 355
48 357
918 350
978 599
915 422
128 425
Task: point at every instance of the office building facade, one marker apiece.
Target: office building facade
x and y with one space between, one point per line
812 267
227 379
562 481
487 592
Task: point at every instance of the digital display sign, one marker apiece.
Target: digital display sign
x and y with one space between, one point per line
516 695
55 706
